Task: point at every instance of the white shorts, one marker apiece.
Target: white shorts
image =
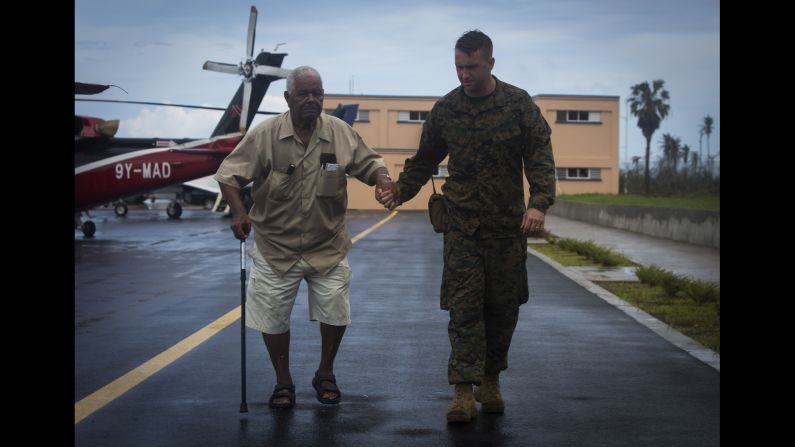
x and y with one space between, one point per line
270 297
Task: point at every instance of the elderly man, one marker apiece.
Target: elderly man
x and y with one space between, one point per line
298 162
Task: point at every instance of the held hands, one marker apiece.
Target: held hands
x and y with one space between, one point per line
388 194
532 222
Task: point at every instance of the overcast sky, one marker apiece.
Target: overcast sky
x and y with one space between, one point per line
155 50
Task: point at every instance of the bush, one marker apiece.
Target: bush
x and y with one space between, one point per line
680 286
702 291
602 255
666 182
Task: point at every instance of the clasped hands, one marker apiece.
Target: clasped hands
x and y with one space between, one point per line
387 193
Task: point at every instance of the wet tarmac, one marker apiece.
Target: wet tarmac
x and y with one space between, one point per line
581 372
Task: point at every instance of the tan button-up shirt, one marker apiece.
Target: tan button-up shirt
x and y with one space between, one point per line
300 214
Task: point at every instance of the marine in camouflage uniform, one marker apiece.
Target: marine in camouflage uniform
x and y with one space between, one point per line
485 276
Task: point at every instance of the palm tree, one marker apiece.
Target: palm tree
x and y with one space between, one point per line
671 148
686 152
650 105
700 139
706 129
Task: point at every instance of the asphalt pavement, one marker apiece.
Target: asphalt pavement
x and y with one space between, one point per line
581 371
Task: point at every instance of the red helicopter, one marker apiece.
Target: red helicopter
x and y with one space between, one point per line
108 168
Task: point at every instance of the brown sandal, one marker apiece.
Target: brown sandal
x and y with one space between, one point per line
278 395
317 384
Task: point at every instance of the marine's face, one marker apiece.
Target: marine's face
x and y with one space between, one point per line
306 102
474 72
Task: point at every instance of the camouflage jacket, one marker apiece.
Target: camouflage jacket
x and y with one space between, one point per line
487 140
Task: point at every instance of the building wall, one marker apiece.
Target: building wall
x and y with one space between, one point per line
383 130
363 196
395 141
698 227
575 145
584 144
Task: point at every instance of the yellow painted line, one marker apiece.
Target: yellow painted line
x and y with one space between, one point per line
98 399
106 394
374 227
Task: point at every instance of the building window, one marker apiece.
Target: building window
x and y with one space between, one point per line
361 115
578 173
412 116
441 172
583 174
578 116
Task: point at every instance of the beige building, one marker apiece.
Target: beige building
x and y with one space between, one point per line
584 140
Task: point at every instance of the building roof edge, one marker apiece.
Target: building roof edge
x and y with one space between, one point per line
557 95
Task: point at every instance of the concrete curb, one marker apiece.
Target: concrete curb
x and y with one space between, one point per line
680 340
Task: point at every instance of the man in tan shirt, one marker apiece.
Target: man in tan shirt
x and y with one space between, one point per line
298 162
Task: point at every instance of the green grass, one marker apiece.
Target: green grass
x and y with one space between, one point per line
690 306
572 252
590 250
563 257
698 320
702 201
680 286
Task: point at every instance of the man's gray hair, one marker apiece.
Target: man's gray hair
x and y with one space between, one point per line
297 71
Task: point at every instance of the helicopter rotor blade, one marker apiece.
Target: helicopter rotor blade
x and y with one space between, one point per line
167 104
252 24
244 111
221 67
268 70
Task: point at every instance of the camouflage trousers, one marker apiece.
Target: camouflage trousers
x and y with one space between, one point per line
483 284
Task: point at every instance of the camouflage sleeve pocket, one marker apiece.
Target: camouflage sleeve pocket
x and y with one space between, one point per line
437 211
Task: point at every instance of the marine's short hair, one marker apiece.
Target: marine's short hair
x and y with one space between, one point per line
474 40
299 71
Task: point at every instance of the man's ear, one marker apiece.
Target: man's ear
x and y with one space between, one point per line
286 95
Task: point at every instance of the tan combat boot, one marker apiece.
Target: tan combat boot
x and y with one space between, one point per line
462 409
488 394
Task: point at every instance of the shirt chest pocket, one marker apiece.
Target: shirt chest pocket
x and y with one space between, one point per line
505 134
457 134
505 143
279 185
331 183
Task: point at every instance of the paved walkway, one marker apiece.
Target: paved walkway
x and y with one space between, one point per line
581 371
682 258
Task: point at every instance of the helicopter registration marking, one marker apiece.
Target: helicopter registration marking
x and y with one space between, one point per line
146 170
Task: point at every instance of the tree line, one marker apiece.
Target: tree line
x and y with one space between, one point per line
679 170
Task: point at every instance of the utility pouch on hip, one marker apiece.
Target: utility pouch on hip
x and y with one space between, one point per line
437 210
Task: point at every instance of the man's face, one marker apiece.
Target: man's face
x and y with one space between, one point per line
474 72
306 102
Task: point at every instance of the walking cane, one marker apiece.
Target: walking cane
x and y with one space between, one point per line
243 404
